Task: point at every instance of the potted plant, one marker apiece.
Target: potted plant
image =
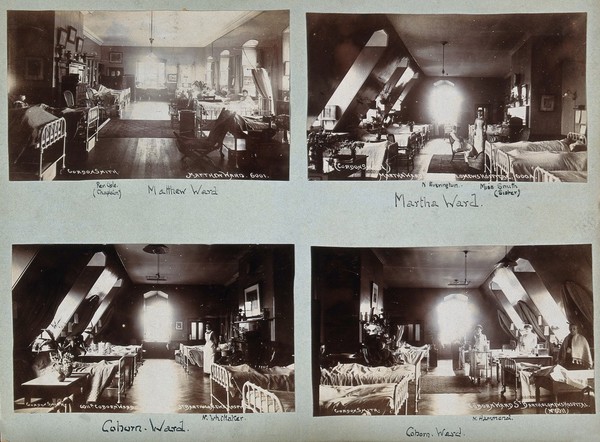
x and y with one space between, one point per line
63 350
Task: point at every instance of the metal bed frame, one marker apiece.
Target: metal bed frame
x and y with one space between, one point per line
259 400
91 128
52 133
119 378
344 380
502 162
222 377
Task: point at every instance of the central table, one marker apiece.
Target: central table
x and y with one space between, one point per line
49 387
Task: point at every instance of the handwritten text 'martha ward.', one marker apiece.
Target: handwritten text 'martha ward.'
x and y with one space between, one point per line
453 201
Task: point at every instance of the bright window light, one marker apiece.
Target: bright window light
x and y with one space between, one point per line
455 318
157 320
445 103
151 74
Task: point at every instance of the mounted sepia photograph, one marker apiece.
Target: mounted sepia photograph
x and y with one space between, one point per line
486 331
148 94
447 97
153 328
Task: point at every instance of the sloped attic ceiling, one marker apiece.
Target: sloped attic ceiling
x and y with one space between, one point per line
478 45
437 267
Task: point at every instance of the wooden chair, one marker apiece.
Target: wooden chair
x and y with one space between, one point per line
524 135
460 144
200 148
69 99
63 406
398 154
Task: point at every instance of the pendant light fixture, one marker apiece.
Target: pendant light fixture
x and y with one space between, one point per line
444 43
444 73
156 249
465 282
151 39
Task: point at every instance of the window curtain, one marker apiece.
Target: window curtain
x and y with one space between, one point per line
399 335
263 86
577 303
36 305
529 317
151 74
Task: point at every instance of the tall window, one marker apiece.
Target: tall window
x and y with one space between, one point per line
285 57
455 318
151 74
210 68
224 71
445 103
157 317
249 60
196 330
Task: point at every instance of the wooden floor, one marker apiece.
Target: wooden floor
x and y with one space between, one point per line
163 386
435 146
147 158
487 402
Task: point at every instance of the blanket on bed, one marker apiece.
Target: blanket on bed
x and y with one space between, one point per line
358 374
102 374
524 162
357 400
570 176
196 355
274 378
526 372
247 124
110 96
411 355
558 373
24 128
534 146
287 399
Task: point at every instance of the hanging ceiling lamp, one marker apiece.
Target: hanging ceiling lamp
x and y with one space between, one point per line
444 73
156 249
444 43
465 282
151 39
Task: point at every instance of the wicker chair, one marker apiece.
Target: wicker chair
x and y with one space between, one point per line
200 148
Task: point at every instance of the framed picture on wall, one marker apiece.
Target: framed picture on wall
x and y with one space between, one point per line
62 37
252 300
72 34
171 78
78 44
374 295
115 57
547 103
179 325
34 68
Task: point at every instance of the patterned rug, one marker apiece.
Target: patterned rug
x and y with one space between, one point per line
117 128
447 384
443 164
